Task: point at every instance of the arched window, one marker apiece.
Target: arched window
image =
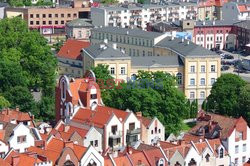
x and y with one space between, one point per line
92 163
68 163
192 162
207 157
161 162
221 152
179 78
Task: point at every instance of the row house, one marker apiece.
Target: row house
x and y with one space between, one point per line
153 51
233 133
79 104
138 15
56 152
204 152
236 11
217 34
18 137
15 116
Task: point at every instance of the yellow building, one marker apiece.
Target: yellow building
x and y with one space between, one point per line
195 67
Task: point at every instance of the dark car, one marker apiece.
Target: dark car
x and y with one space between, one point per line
224 67
227 56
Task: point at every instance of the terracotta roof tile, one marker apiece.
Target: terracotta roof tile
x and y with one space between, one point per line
7 115
72 49
4 163
227 124
242 8
145 121
165 145
139 158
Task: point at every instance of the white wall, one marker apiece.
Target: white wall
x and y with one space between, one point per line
160 135
231 147
3 147
21 130
93 135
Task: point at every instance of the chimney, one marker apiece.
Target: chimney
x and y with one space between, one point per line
182 40
123 51
105 41
203 23
68 52
114 46
139 114
69 144
188 42
213 22
172 37
115 154
181 142
7 111
15 160
127 32
17 108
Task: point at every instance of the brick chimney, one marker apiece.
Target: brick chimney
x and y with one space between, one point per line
139 114
15 160
69 144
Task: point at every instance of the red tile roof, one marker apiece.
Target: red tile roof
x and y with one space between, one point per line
72 49
145 121
7 115
4 163
55 147
242 8
100 116
227 124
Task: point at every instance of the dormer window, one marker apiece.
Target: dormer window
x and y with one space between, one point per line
221 153
207 157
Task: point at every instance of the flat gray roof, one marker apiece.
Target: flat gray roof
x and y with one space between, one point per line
215 23
243 24
185 49
107 52
146 6
130 32
156 61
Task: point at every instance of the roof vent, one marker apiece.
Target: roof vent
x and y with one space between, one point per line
102 46
127 32
172 37
203 23
182 40
213 22
188 42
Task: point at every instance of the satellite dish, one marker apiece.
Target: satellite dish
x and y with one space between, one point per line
90 75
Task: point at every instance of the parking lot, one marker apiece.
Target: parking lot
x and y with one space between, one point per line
229 65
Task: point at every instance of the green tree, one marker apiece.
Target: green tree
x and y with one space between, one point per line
154 94
244 102
4 103
225 94
21 96
26 63
109 1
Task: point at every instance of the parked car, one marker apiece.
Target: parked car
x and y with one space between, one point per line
227 56
224 67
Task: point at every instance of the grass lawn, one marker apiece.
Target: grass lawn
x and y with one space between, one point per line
188 126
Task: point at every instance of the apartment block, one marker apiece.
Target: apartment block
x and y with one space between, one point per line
49 20
215 34
195 67
137 15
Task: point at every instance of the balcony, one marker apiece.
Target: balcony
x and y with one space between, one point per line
115 135
134 132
